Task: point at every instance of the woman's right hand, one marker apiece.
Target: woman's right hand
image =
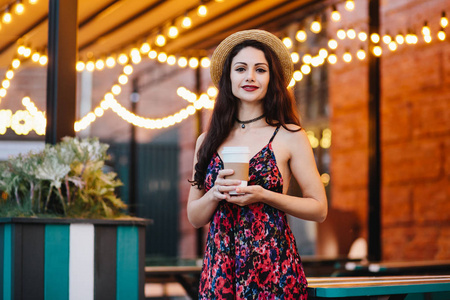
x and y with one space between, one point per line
222 186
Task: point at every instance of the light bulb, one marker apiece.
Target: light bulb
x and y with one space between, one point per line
205 62
128 69
123 79
80 66
10 74
193 62
90 66
187 22
377 51
387 39
145 48
35 57
362 36
287 42
160 40
152 54
351 33
335 15
306 69
347 57
426 29
307 58
173 32
441 34
295 57
171 60
399 39
99 64
202 11
122 59
162 57
182 62
110 62
392 46
341 34
332 43
15 63
349 5
444 20
375 37
7 17
19 8
316 27
301 35
298 75
361 54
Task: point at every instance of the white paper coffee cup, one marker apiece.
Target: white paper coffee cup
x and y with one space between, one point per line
237 159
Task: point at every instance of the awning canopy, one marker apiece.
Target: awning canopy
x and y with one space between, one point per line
110 26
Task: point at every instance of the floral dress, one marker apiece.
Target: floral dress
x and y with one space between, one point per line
251 251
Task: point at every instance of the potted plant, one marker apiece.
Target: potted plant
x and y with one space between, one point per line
63 231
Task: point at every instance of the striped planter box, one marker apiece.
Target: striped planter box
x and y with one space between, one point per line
74 259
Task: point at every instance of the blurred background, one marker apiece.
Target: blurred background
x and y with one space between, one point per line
371 81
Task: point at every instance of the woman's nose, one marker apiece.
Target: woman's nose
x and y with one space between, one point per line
250 76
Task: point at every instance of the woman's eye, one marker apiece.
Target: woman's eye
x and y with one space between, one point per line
261 70
241 69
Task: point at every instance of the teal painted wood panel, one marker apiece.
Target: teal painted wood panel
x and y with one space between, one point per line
127 263
7 262
56 267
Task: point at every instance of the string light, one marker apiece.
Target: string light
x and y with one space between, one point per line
186 22
99 64
295 57
362 36
110 62
301 35
444 20
374 37
182 62
193 62
145 47
205 62
441 34
32 1
426 29
122 59
347 57
7 17
171 60
80 66
173 32
9 74
15 63
392 46
287 42
361 54
335 15
128 69
298 76
90 66
160 40
323 53
123 79
351 33
152 54
349 5
307 58
316 27
35 57
136 59
332 44
399 39
377 51
19 8
341 34
162 57
387 39
306 69
202 11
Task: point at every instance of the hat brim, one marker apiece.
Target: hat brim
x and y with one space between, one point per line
223 50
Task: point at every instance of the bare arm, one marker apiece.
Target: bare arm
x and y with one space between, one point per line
201 206
313 205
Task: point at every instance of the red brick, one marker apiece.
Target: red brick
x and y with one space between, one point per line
348 87
395 121
396 205
349 169
350 129
431 114
415 160
443 244
447 157
431 201
394 242
423 245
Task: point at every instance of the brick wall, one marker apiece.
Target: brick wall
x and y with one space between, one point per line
415 135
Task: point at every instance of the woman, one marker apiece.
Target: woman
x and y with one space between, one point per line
251 252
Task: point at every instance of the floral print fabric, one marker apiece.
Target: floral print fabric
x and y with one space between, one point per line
251 251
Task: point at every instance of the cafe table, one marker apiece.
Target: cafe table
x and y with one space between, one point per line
381 287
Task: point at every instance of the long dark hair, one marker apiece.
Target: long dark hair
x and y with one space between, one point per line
279 107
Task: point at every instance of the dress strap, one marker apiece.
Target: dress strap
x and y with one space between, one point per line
274 134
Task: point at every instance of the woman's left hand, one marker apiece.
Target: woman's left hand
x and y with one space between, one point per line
251 194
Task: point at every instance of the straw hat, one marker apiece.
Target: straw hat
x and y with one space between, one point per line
220 54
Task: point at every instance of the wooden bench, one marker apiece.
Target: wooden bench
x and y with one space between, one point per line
384 287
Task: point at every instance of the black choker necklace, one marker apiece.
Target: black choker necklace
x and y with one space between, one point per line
249 121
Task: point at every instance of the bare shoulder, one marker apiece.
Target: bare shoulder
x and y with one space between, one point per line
295 138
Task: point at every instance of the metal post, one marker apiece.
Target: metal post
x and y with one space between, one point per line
61 73
374 187
133 186
199 128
